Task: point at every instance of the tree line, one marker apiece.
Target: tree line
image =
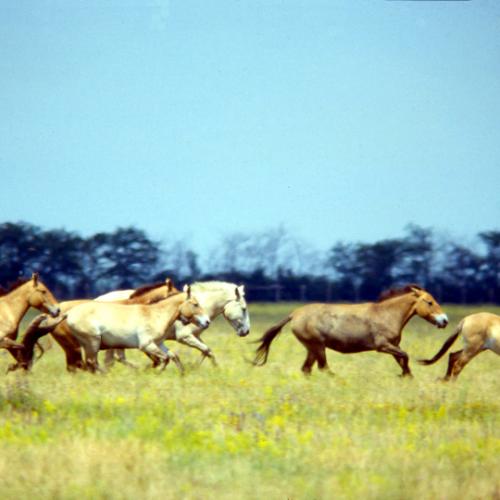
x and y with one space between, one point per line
272 264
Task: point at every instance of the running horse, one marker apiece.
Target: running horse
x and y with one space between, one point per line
108 325
351 328
15 302
480 332
40 326
216 298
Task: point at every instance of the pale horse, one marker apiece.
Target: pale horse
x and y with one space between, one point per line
107 325
216 298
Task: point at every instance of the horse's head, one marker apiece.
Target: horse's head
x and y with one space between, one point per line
190 311
236 312
428 308
40 297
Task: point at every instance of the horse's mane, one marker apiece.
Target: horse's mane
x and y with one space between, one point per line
13 286
161 298
146 288
396 292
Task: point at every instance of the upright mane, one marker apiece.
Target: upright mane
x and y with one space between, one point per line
396 292
13 286
146 288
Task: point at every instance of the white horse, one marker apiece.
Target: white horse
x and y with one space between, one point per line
215 297
107 325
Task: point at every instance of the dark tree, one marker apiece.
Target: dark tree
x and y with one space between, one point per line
379 262
21 248
491 264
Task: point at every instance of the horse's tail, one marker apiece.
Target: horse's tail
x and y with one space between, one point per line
446 346
265 341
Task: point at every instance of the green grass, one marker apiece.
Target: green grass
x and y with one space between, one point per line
245 432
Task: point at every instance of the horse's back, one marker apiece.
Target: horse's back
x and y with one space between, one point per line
87 315
115 295
482 328
343 327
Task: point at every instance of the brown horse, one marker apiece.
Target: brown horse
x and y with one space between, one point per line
15 302
107 325
480 332
147 294
350 328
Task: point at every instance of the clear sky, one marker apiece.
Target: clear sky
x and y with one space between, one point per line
342 120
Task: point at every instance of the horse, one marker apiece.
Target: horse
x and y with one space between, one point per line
108 325
60 331
216 298
350 328
14 303
480 332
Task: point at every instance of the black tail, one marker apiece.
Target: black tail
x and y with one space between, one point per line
265 342
445 347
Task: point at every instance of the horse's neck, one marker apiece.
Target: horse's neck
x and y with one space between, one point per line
397 311
15 304
168 310
212 302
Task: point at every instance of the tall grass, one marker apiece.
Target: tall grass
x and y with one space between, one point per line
244 432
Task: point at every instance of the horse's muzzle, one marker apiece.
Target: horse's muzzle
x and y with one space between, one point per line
202 321
54 311
441 320
243 333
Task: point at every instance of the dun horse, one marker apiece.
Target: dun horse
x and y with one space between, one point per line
480 332
14 304
107 325
147 294
350 328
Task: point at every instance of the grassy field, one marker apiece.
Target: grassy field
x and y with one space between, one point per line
244 432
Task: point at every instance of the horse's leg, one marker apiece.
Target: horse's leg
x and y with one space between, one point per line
155 351
460 360
309 362
91 347
121 358
321 359
172 356
452 359
195 342
399 355
404 366
109 358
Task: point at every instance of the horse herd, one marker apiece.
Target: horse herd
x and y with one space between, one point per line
145 317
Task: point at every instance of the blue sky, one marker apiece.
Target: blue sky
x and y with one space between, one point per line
342 120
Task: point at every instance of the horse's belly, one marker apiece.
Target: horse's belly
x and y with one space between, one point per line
112 340
348 345
346 333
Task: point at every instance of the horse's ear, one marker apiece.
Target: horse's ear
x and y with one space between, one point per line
169 284
416 290
237 292
35 277
187 289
